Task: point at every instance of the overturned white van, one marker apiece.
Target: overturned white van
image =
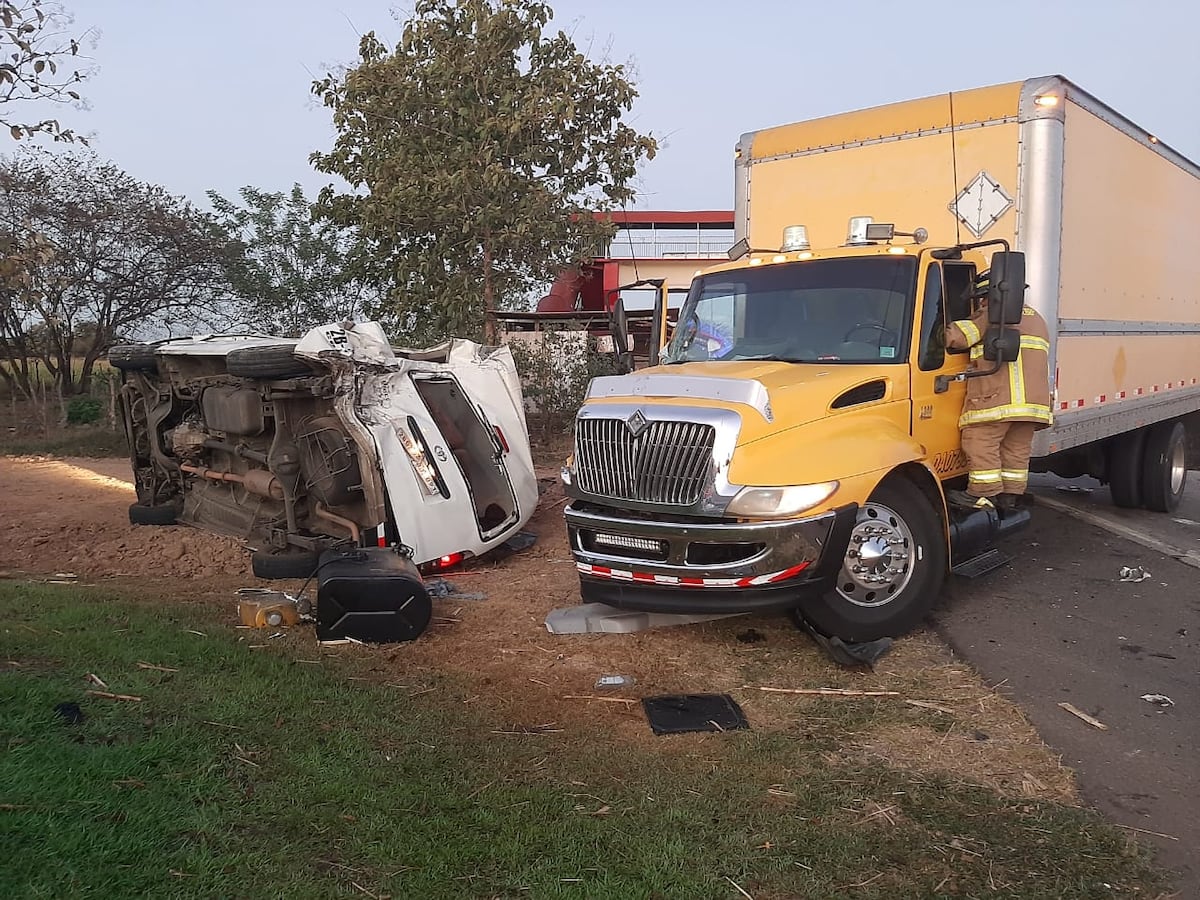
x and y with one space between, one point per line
336 440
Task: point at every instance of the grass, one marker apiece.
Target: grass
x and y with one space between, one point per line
259 773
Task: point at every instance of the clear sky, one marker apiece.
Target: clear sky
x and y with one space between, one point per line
216 94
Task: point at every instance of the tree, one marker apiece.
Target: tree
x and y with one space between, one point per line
34 47
478 148
287 269
97 256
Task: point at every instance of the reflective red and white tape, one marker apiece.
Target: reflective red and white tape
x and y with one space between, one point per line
682 581
1122 395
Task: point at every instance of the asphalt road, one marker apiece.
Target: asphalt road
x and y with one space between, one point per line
1057 625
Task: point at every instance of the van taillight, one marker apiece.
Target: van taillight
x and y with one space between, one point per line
500 437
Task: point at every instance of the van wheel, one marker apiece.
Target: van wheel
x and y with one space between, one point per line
892 572
271 361
133 358
288 564
140 514
1124 470
1164 466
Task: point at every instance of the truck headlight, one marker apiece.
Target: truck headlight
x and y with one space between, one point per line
779 502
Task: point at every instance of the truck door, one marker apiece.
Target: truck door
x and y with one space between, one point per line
934 419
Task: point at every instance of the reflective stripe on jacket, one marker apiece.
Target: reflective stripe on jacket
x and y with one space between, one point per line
1018 391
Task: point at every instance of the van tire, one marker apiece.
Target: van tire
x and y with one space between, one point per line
271 361
905 514
140 514
270 564
1125 468
1164 466
133 358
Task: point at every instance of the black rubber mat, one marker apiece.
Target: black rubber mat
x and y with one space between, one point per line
677 713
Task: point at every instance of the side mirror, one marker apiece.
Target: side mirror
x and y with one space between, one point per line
1002 344
1006 291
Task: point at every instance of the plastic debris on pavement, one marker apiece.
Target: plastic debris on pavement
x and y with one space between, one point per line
440 589
1158 699
1134 574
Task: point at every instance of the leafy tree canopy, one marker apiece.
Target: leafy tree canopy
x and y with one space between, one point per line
288 272
39 61
94 255
478 149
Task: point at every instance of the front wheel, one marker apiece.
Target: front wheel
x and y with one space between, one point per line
892 572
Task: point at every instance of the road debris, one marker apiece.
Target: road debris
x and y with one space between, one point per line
1074 489
1134 574
109 695
263 608
925 704
70 713
678 713
1080 714
832 693
625 700
588 618
440 589
146 665
847 653
612 681
1158 699
96 680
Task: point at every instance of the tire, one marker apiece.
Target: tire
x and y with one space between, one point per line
292 564
855 611
153 515
1124 468
133 358
272 361
1164 466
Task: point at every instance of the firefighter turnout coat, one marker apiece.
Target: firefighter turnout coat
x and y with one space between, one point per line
1018 391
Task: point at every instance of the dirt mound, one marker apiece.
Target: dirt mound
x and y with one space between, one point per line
72 516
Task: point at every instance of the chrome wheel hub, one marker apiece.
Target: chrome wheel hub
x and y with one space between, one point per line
879 559
1178 467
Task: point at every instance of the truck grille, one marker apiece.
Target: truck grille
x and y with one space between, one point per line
668 463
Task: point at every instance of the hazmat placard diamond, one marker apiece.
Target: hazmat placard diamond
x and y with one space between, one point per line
981 204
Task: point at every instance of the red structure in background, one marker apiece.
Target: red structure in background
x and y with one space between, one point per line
672 235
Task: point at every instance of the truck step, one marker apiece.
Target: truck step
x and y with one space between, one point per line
981 564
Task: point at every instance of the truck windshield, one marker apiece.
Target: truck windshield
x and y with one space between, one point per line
852 310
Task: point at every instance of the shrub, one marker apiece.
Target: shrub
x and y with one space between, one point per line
556 368
84 411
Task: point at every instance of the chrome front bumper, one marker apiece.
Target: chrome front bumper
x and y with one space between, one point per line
664 566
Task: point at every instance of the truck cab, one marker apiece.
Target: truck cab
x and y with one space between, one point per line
791 449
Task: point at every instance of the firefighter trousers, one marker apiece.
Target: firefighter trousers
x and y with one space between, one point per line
998 456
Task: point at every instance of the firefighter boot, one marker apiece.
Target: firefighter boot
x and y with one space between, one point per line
963 500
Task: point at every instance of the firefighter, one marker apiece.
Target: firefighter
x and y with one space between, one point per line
1002 410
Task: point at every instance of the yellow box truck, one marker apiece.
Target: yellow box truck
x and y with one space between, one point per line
793 448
